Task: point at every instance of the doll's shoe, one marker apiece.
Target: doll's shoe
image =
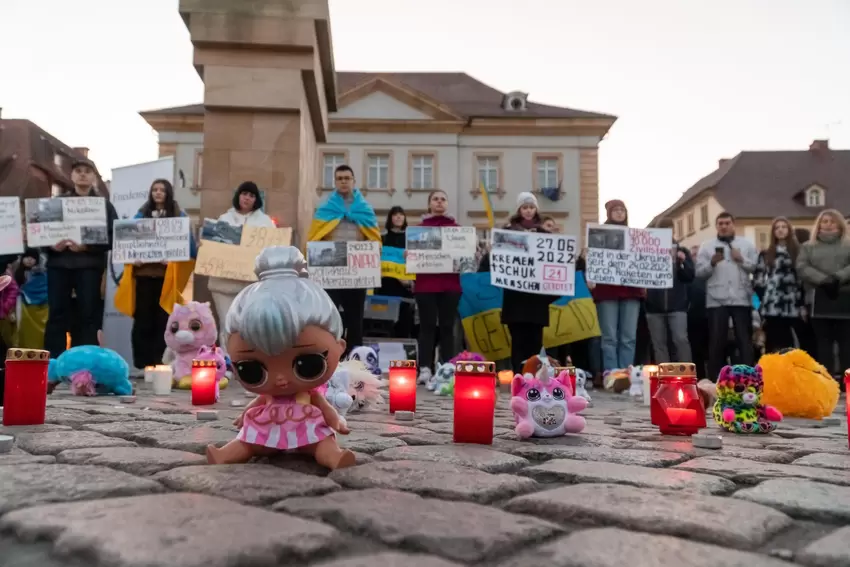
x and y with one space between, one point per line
184 383
222 384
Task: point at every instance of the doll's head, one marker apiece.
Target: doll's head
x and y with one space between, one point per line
740 385
216 354
368 355
190 327
283 332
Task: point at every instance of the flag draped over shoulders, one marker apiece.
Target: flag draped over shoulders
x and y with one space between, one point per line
334 210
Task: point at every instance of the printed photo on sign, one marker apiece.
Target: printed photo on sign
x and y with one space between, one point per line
79 219
11 231
630 257
440 249
220 231
151 240
345 265
533 262
236 262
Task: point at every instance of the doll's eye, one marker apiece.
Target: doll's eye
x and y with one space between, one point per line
251 372
739 388
558 394
532 395
310 366
175 327
195 325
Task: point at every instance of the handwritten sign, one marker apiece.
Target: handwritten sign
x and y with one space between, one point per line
236 262
11 233
440 249
79 219
533 262
345 265
151 240
630 257
393 264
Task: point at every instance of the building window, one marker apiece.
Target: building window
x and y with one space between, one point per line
814 197
703 216
378 173
329 164
422 171
691 228
547 172
197 180
488 173
679 231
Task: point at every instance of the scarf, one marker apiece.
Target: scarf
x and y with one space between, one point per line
359 211
829 238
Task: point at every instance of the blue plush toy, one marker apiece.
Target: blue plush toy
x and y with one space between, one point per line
91 371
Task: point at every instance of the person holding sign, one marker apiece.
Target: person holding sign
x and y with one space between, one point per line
78 268
148 292
396 226
346 216
437 297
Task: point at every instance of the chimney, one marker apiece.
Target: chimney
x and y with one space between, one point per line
819 146
721 162
83 151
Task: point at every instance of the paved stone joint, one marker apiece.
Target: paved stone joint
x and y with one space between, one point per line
106 482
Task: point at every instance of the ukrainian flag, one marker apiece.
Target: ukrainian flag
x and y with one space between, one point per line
488 206
571 319
393 264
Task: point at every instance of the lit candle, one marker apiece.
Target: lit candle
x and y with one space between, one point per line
505 378
203 382
163 378
25 388
651 372
149 374
676 406
402 385
474 402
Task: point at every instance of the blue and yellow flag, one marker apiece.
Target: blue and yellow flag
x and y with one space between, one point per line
393 264
571 319
488 206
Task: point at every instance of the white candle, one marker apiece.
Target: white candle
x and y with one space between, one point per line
162 378
149 372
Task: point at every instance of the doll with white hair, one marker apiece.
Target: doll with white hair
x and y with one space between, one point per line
284 336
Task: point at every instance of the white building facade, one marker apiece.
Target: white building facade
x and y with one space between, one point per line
407 134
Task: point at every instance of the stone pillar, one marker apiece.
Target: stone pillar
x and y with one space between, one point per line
269 83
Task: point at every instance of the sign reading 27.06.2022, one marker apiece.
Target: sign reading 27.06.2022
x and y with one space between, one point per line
533 262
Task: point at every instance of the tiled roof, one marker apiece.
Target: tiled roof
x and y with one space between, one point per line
464 95
768 184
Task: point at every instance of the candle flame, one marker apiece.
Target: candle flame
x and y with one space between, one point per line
681 397
401 380
475 394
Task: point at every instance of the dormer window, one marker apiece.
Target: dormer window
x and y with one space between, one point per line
515 101
815 196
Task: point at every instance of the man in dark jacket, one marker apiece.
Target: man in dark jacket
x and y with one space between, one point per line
76 269
667 311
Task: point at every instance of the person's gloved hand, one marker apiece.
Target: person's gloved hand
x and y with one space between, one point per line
830 287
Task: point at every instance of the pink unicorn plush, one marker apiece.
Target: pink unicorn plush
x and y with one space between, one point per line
545 406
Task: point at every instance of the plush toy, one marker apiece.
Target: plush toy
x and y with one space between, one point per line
582 378
91 371
189 327
444 379
216 354
796 385
738 407
337 391
368 355
544 405
617 380
535 363
364 387
636 378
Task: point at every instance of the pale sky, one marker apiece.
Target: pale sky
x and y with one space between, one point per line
691 81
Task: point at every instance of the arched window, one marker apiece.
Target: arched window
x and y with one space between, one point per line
815 197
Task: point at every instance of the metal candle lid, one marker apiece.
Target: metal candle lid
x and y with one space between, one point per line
677 369
203 363
27 355
475 367
402 364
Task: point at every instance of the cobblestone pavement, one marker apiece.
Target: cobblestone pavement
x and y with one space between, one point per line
105 483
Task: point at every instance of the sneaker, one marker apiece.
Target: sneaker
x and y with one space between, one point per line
424 376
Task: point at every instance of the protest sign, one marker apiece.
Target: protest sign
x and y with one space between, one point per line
79 219
11 233
151 240
440 249
393 264
533 262
236 261
571 319
345 265
630 257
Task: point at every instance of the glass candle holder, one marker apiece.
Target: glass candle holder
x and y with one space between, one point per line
402 385
676 403
203 382
651 372
25 388
474 402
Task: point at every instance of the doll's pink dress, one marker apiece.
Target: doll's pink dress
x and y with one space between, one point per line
287 422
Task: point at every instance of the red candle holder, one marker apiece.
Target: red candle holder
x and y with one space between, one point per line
847 402
571 372
474 402
402 385
203 382
676 403
25 396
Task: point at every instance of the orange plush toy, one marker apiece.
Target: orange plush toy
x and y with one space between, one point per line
796 385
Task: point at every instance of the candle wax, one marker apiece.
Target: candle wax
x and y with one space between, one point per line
681 416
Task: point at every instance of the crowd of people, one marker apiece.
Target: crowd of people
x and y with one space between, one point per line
709 316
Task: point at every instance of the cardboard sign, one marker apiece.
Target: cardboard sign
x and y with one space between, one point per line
630 257
345 265
79 219
440 249
11 233
236 262
151 240
533 262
